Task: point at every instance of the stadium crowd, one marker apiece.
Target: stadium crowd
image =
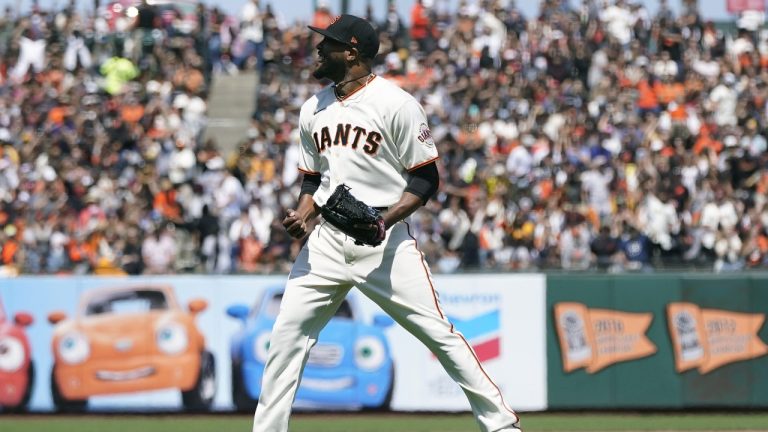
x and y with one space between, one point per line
602 137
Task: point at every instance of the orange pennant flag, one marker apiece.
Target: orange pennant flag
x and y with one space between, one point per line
686 329
710 338
732 337
597 338
619 336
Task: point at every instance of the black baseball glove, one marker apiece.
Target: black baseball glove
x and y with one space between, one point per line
354 217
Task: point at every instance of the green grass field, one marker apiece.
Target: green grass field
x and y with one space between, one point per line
388 423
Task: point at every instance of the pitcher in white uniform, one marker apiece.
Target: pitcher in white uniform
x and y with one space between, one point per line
369 134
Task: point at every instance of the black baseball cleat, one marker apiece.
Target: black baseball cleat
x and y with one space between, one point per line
514 428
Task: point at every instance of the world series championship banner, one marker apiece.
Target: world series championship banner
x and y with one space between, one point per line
597 338
710 338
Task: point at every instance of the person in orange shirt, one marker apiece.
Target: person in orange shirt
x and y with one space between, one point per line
421 26
646 98
706 141
677 109
668 90
9 246
132 113
76 250
165 202
322 17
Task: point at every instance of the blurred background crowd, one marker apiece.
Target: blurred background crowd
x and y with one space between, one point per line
597 137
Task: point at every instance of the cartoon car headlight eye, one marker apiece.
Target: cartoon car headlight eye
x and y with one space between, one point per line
74 348
369 353
11 354
172 338
261 346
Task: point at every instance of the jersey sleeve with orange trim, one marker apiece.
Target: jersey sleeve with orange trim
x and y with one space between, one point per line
412 135
309 158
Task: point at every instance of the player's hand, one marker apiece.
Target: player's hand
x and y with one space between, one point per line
378 230
294 224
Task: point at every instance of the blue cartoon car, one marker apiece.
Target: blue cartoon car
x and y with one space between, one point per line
349 367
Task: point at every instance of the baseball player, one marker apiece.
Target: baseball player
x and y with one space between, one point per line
370 135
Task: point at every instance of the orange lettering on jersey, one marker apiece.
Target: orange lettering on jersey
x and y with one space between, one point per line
325 138
342 134
358 131
372 143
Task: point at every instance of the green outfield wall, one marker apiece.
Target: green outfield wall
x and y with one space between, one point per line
549 341
716 321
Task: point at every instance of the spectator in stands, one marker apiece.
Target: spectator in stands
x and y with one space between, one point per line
393 27
637 250
158 251
575 248
252 35
605 248
32 45
146 21
322 16
421 26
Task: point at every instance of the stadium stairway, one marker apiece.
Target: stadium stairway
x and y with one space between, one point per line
230 104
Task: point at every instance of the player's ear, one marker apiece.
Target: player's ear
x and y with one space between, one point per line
352 54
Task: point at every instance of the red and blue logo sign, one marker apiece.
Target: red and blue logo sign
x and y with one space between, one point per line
482 332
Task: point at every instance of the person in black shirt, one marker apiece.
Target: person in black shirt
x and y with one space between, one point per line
146 21
147 17
605 247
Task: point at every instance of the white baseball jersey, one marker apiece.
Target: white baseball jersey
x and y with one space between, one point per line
369 140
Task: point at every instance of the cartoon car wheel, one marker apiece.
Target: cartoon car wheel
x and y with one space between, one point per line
23 406
28 394
386 404
60 402
243 402
201 395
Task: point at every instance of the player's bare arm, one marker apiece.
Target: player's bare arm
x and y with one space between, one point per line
407 204
422 184
295 221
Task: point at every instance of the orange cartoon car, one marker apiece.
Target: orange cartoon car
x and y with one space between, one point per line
16 368
130 339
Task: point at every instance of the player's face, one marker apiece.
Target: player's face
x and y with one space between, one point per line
332 60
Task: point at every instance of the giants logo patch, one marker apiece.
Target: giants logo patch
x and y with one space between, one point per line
425 136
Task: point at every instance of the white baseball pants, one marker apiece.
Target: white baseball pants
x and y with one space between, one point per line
395 276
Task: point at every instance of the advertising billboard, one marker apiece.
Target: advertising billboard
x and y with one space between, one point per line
197 343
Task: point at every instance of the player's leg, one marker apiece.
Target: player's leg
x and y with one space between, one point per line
401 284
312 295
